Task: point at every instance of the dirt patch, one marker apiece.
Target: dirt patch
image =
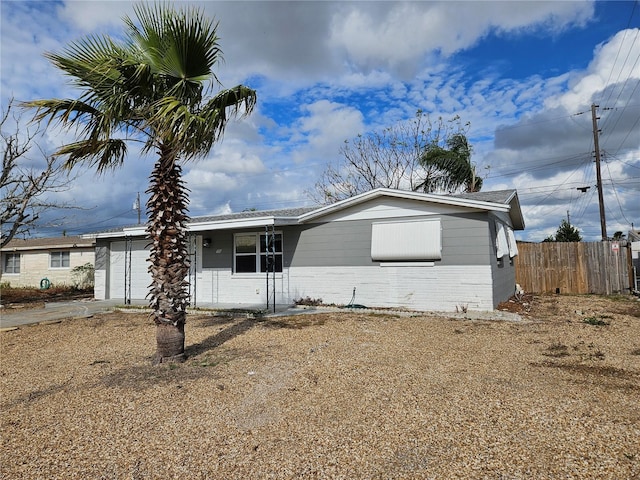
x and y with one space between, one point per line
334 395
26 298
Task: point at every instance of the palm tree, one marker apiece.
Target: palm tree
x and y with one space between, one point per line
453 167
154 87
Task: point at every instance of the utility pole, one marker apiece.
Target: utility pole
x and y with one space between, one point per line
136 206
568 218
596 145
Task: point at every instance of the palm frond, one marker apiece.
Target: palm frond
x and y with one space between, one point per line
66 112
237 99
101 154
180 46
450 168
93 64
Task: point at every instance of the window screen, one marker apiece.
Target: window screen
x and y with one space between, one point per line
59 260
12 263
406 241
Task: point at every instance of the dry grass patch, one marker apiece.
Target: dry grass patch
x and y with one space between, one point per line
328 396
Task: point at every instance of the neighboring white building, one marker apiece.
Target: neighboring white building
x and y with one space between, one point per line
634 239
383 248
34 262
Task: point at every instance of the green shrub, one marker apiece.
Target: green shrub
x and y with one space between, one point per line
83 276
598 322
311 302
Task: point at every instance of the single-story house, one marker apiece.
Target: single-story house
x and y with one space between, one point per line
382 248
38 262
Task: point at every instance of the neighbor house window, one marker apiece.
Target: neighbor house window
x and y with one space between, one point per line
12 263
257 252
59 260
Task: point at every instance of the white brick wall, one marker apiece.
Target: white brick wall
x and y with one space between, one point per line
418 288
438 288
34 266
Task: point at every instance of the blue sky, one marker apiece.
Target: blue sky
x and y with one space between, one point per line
523 74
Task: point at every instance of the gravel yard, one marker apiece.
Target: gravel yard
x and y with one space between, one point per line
332 395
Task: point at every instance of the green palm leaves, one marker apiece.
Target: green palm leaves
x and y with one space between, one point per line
452 167
152 86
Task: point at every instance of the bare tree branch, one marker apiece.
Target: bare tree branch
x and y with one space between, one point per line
25 190
385 159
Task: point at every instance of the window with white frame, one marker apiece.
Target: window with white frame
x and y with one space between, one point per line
257 252
11 263
59 260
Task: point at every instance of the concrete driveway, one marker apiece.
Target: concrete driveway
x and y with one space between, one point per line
55 311
85 308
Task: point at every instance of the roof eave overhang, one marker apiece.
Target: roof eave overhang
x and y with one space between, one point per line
47 247
424 197
242 223
515 212
206 226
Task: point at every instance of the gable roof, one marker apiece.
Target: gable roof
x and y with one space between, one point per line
505 201
499 201
19 244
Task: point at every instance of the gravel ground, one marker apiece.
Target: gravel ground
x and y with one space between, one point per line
352 396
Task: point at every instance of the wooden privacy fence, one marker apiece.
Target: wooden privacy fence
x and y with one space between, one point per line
574 267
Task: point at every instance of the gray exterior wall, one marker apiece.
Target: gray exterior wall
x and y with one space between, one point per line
221 240
465 241
503 271
102 254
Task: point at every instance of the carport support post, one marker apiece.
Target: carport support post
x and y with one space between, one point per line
128 247
272 252
266 240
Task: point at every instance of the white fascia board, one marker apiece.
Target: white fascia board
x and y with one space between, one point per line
109 234
387 192
515 212
135 231
286 221
242 223
59 246
206 226
229 224
125 232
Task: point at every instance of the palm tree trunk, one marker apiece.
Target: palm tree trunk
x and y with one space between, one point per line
169 343
169 257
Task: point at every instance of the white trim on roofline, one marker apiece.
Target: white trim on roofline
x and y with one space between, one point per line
388 192
55 246
254 222
234 223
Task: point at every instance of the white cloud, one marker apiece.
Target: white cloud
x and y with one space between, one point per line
326 71
90 16
325 126
403 33
614 62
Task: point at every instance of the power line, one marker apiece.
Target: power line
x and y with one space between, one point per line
633 9
615 193
539 166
